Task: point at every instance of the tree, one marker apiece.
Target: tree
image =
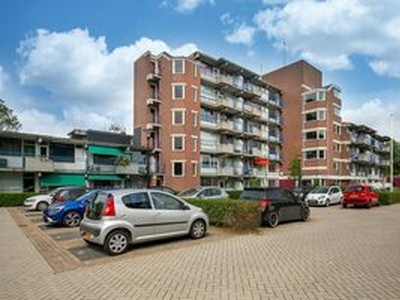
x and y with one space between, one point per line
8 121
295 169
117 128
396 158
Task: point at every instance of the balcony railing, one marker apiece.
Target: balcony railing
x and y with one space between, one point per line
39 164
225 148
130 169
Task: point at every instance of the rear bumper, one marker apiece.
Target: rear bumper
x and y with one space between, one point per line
354 201
91 233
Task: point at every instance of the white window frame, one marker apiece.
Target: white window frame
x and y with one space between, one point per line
174 66
195 167
195 116
183 162
174 136
183 85
195 140
183 111
195 91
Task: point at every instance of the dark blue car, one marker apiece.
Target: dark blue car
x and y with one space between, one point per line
68 212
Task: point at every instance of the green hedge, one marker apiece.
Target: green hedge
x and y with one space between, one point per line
234 194
14 199
387 198
238 215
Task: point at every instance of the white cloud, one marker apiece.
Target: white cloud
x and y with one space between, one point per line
187 6
375 114
227 19
91 85
330 32
242 34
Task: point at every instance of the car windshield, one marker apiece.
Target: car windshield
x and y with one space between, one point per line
52 193
355 188
320 190
190 192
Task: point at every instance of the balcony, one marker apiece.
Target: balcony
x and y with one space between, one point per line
153 125
38 164
225 148
226 103
153 101
130 169
226 171
224 125
153 76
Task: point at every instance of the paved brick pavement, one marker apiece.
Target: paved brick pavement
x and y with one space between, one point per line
338 254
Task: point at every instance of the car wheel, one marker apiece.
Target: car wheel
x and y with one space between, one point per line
273 219
72 219
198 229
116 242
327 202
42 206
369 204
305 214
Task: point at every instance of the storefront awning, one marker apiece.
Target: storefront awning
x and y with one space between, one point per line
48 180
103 150
105 177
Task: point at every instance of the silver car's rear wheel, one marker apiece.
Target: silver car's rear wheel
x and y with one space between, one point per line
198 229
116 242
72 219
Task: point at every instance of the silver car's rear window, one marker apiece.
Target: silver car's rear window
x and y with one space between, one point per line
95 206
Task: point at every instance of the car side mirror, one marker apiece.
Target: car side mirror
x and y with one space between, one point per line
185 207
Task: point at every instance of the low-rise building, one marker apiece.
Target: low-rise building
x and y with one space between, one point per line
33 162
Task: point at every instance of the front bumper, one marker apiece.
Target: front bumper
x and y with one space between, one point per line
29 205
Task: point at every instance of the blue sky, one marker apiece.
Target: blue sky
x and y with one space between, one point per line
68 64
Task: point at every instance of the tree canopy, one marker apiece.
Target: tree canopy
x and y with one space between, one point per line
8 121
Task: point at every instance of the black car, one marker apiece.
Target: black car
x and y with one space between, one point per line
278 205
301 192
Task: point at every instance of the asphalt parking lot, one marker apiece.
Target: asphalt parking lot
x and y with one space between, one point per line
338 254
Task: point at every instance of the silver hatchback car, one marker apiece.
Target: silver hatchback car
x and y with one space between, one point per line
117 218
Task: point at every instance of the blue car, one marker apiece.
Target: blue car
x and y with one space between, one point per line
69 212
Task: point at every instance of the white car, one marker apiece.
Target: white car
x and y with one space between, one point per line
38 202
325 196
204 192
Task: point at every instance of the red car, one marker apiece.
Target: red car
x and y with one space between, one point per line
360 195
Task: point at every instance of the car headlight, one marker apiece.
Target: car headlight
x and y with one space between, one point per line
321 197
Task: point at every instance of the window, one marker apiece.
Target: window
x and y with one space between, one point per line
337 111
136 201
195 93
336 167
178 169
178 91
311 116
178 143
315 154
195 116
316 115
321 115
165 202
321 134
178 66
194 168
195 70
195 143
62 152
311 135
178 117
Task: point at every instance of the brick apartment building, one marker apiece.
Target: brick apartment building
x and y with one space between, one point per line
329 150
209 122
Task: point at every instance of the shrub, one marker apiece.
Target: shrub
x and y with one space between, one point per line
234 194
387 198
14 199
238 215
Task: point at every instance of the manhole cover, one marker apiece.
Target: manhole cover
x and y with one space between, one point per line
88 252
